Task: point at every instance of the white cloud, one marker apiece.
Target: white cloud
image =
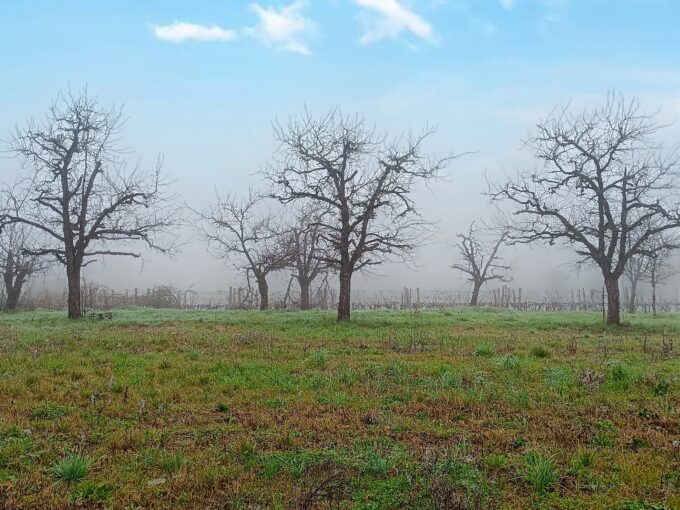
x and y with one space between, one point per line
179 31
391 19
283 29
507 4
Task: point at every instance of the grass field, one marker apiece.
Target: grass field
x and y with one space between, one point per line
452 409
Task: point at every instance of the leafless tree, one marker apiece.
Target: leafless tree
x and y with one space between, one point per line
657 268
80 194
251 238
305 255
479 258
364 180
633 273
16 264
606 187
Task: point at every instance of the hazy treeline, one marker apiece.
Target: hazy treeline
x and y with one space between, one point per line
337 198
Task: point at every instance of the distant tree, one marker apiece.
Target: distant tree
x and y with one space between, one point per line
305 254
16 264
248 236
657 268
606 187
633 273
366 183
480 259
79 194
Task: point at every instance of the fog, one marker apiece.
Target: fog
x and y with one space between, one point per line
232 147
217 135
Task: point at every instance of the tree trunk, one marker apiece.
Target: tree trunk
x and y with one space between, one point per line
304 294
344 299
263 289
654 299
632 297
75 310
8 276
613 300
475 293
13 295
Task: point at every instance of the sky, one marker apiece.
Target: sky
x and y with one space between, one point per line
202 81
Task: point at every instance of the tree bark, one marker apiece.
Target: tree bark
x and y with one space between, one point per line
613 300
304 294
654 299
75 310
344 299
475 293
263 289
13 295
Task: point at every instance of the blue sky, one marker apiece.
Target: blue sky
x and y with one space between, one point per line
201 81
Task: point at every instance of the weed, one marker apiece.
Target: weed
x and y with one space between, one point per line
171 461
539 352
71 469
539 472
485 351
620 377
90 492
49 411
320 358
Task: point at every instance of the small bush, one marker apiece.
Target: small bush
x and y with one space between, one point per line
71 469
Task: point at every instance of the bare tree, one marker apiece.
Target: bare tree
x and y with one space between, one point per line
79 193
305 255
657 269
606 187
479 258
251 238
366 183
16 265
633 273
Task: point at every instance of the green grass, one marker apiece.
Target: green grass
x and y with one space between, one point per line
72 469
394 410
539 472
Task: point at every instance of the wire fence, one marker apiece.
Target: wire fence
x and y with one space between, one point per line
100 297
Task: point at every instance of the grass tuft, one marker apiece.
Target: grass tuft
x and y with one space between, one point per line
72 469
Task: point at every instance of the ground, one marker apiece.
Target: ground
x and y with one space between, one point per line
451 409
